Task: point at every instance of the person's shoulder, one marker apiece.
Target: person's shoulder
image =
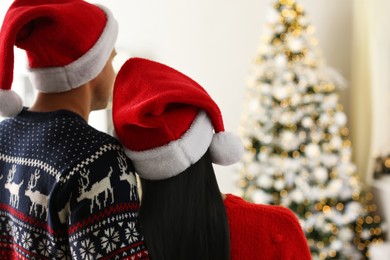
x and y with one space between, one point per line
83 133
89 149
273 213
275 227
279 214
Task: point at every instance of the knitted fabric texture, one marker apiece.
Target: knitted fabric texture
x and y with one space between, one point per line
264 232
67 191
166 121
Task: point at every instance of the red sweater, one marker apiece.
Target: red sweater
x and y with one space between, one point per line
264 232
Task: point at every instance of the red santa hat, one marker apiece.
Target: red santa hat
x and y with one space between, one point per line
166 121
67 42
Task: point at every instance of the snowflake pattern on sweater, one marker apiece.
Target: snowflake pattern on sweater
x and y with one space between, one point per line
67 191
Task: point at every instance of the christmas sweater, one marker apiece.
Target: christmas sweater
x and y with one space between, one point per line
264 232
67 191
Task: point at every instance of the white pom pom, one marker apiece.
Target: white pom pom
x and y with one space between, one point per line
226 148
11 103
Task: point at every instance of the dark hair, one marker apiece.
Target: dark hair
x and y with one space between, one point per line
184 217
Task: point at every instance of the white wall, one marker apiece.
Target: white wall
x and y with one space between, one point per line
214 42
380 60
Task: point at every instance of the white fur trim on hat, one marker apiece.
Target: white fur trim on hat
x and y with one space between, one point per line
171 159
82 70
226 148
11 103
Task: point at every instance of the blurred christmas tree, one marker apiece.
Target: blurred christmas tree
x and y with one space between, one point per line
297 150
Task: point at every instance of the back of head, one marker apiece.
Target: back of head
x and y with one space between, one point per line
67 43
173 131
184 217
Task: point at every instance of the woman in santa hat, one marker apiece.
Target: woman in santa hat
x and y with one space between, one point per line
173 132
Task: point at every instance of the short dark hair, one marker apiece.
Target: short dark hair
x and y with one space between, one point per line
184 217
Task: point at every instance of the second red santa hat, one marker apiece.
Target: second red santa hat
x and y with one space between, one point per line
167 122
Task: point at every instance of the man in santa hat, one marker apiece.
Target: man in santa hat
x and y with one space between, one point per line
66 189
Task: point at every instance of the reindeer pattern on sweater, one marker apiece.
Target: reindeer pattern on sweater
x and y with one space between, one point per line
67 191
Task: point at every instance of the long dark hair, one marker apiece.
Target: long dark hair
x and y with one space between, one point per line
184 217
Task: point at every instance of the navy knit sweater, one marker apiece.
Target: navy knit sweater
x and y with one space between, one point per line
67 191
